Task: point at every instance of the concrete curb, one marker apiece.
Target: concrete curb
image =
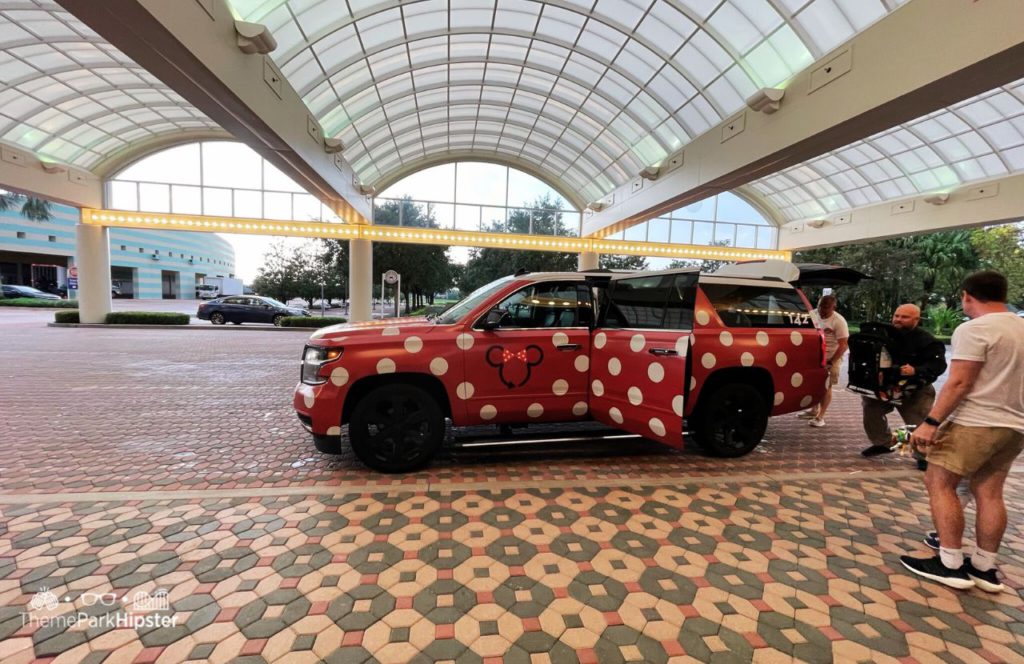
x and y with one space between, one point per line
185 327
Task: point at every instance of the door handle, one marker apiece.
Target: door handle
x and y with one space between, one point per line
568 347
662 351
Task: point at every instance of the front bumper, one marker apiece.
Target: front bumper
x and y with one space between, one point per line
318 407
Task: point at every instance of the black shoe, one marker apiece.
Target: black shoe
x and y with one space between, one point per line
987 581
932 540
934 570
876 450
922 464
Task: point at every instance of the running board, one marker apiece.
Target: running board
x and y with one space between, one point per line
480 443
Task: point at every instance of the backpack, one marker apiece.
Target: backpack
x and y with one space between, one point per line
874 369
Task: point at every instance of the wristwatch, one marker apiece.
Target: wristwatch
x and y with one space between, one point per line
932 421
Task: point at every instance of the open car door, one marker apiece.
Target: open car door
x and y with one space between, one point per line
638 353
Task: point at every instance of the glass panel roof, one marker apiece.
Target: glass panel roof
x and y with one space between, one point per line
590 92
67 95
976 139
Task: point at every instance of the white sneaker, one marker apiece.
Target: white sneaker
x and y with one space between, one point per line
806 415
817 422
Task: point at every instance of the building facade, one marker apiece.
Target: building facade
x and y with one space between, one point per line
144 264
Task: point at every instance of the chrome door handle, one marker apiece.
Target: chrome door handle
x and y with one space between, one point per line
662 351
568 347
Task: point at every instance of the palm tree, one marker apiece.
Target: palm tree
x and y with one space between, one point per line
34 209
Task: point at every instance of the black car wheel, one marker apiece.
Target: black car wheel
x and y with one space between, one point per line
236 322
396 428
217 318
731 420
277 320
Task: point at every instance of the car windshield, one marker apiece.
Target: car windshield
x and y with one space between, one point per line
457 311
28 289
270 300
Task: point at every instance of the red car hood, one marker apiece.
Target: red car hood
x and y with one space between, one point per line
387 328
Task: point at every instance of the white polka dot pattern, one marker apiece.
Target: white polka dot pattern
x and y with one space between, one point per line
600 339
560 339
796 338
439 366
682 344
635 396
637 343
464 341
779 398
386 366
390 332
806 401
693 383
535 410
614 366
334 431
488 412
708 360
677 405
616 415
657 426
597 387
762 338
702 317
414 344
656 372
797 380
725 338
582 363
465 391
339 376
579 408
781 359
308 399
747 359
560 387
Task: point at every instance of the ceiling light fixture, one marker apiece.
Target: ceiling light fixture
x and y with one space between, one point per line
254 38
766 100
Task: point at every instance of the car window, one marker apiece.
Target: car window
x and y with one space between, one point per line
454 313
758 306
236 300
663 301
552 304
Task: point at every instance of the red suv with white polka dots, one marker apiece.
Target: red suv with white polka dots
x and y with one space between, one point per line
638 351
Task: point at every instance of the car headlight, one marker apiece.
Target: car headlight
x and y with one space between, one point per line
315 357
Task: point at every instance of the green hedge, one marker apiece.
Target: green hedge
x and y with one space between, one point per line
66 316
37 303
309 321
146 318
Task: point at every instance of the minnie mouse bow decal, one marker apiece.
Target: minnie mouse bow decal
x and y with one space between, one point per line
514 366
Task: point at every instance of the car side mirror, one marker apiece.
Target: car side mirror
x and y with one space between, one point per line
492 320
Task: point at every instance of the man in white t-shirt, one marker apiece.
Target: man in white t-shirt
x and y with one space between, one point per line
974 430
837 335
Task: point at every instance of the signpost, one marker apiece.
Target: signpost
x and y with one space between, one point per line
72 279
391 278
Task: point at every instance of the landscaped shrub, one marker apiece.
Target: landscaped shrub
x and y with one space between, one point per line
37 303
66 316
146 318
309 321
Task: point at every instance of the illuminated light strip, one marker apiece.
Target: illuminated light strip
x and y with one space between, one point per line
409 235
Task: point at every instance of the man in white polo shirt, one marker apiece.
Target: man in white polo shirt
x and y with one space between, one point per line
975 430
837 340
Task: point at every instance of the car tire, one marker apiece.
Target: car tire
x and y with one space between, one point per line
277 320
731 420
217 318
327 444
396 428
236 322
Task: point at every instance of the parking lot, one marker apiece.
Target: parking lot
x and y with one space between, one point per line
143 459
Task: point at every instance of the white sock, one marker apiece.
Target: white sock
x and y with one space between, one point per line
951 558
983 561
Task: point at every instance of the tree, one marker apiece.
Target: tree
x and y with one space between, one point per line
610 262
1001 248
274 278
542 218
945 259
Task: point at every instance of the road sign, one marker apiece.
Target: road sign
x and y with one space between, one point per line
73 272
391 277
72 283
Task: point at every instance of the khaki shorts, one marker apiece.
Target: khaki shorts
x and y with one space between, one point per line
833 373
968 450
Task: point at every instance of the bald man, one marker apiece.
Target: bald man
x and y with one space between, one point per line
921 358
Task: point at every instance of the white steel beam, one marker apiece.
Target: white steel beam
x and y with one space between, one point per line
23 172
924 56
192 47
992 202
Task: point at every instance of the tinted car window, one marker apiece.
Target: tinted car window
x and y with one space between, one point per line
236 300
543 305
758 306
653 302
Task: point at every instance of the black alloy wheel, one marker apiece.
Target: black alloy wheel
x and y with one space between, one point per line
396 428
731 421
217 318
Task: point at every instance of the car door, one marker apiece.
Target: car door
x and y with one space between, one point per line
534 366
234 309
259 311
638 357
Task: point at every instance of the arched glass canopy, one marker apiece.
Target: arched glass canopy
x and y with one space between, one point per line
69 96
589 92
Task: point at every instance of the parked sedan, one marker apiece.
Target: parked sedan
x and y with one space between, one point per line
240 309
27 291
